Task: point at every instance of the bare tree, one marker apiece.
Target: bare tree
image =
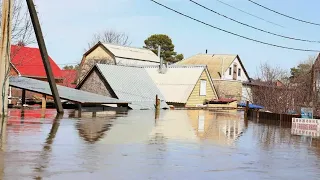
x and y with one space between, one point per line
22 29
271 89
278 92
110 36
267 73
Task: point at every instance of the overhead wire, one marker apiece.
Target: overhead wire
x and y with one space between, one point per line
229 32
247 25
290 17
250 14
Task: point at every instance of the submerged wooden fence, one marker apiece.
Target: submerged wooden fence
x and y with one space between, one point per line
272 118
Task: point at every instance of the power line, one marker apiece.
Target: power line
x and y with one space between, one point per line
235 34
290 17
250 14
244 24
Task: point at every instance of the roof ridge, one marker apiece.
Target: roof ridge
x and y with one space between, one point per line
176 66
135 47
122 65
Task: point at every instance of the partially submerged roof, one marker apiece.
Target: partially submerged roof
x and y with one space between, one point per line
66 93
177 83
132 84
28 62
127 52
215 62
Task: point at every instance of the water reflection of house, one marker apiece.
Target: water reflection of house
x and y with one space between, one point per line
29 119
134 127
94 129
220 127
174 125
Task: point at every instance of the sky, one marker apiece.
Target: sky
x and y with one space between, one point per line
68 26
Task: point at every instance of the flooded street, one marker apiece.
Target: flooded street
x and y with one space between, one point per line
135 145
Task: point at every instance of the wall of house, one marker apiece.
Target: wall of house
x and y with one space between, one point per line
94 56
228 89
95 84
243 76
99 53
195 98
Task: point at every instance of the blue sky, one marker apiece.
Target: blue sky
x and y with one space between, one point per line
69 25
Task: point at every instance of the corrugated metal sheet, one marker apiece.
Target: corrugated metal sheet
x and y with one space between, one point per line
64 92
132 53
213 62
177 83
133 62
133 84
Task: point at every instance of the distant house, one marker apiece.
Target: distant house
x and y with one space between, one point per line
227 73
27 62
69 78
184 86
132 84
104 53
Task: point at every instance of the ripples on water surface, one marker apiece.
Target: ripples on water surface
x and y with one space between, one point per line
134 145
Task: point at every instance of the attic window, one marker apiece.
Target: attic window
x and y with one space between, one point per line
230 71
239 72
203 87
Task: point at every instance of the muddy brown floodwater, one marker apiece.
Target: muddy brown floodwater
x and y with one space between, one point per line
134 145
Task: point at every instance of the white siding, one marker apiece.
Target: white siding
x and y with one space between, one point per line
243 76
203 88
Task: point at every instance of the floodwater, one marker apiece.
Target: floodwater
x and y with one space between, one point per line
139 145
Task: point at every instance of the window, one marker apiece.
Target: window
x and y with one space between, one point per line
239 72
230 71
203 87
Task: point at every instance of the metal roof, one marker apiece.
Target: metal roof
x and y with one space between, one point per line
132 53
213 62
177 83
64 92
133 84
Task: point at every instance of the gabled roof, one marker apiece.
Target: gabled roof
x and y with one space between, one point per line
69 78
177 83
214 62
132 52
127 52
132 84
28 62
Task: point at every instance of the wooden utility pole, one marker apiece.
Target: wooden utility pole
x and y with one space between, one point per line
5 49
246 111
44 55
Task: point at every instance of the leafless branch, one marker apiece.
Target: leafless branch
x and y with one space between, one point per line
110 36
